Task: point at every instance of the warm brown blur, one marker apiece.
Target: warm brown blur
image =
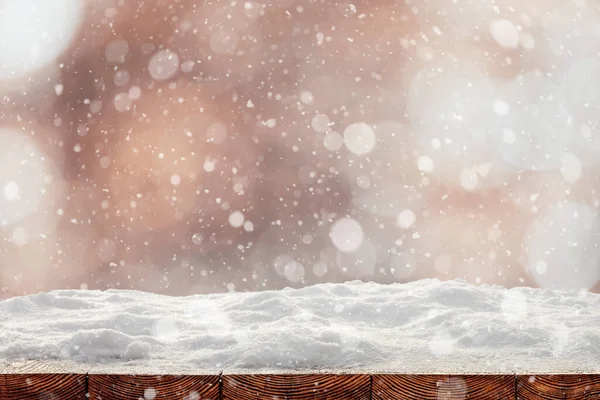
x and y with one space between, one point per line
189 147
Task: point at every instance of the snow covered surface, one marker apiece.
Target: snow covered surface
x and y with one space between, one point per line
426 326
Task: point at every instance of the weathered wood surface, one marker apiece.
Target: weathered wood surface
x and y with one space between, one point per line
42 381
551 387
296 387
153 387
443 387
42 387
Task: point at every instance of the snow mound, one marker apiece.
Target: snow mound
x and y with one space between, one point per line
423 326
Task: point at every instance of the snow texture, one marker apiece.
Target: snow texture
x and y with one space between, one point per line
423 326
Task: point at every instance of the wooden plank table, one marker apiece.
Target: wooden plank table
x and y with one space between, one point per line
554 387
296 387
157 387
152 382
54 380
45 380
436 387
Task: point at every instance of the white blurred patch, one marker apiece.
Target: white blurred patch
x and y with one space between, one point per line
579 85
561 248
406 219
33 33
163 65
570 167
319 269
452 388
346 234
320 122
19 236
236 219
358 263
514 306
23 171
293 271
149 394
165 329
453 108
333 141
441 344
536 131
359 138
505 33
560 340
208 316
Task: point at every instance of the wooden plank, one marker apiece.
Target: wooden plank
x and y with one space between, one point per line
42 386
40 380
547 387
153 387
296 387
48 379
443 387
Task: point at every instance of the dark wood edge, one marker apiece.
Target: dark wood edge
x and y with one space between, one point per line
542 386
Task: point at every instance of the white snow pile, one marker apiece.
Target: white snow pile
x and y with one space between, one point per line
424 326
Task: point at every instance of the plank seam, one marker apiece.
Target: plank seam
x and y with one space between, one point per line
221 385
87 385
370 386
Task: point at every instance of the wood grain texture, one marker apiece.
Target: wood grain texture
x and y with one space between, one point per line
443 387
296 387
56 386
42 387
547 387
153 387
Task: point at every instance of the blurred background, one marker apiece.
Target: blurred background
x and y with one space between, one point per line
185 146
